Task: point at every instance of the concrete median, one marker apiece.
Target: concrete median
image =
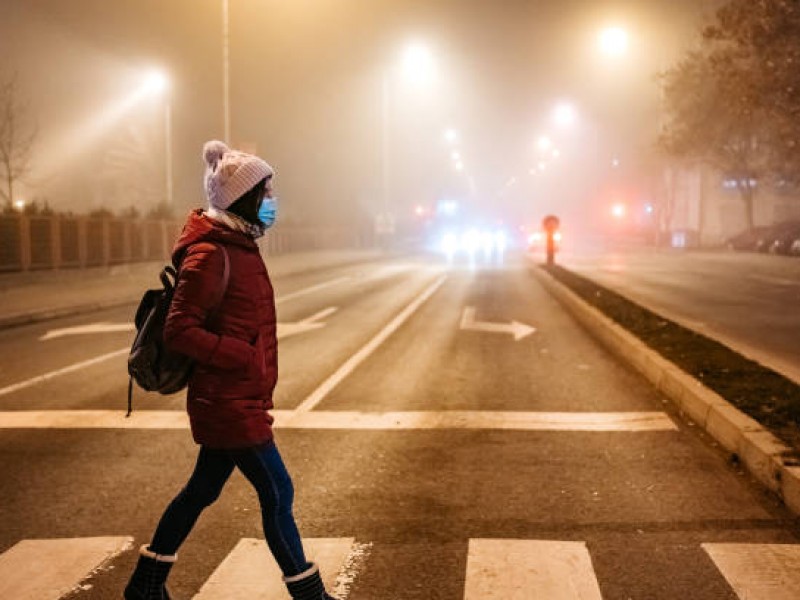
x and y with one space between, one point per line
765 456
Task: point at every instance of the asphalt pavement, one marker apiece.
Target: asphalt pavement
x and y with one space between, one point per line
747 301
438 450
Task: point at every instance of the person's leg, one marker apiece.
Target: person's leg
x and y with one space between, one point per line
204 486
148 581
264 468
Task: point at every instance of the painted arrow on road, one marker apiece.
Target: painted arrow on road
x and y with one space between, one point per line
284 329
515 328
313 322
103 327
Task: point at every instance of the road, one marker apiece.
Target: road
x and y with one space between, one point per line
747 301
437 453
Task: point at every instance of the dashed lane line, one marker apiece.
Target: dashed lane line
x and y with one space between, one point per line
63 371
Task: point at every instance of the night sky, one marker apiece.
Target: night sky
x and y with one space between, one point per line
306 94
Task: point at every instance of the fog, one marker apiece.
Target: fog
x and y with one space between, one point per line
307 94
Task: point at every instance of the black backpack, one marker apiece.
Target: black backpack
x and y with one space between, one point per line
150 364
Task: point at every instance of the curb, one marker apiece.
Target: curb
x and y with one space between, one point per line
763 454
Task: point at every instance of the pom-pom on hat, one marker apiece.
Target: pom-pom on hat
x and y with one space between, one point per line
230 173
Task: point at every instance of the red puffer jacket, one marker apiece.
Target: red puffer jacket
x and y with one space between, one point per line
236 349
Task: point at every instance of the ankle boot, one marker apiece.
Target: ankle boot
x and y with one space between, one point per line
148 581
307 585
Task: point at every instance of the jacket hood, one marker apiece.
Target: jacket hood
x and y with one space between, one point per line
200 227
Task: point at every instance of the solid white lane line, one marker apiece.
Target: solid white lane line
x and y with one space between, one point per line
63 371
447 419
524 569
102 327
352 420
311 290
50 569
325 388
759 571
250 572
773 280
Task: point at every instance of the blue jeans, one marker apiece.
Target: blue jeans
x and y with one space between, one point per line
264 469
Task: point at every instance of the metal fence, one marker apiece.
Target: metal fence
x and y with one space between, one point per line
55 241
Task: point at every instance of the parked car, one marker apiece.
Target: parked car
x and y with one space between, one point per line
745 240
785 238
768 237
794 249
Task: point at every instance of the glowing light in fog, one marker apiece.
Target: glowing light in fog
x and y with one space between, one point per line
618 210
19 204
544 143
450 136
613 41
418 64
100 122
565 115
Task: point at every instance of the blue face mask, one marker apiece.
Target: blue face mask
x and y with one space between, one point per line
268 212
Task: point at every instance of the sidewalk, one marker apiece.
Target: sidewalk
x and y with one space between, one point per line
40 295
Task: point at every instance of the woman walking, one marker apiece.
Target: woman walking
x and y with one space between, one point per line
233 341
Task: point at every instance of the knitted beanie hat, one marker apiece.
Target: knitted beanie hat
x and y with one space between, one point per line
230 173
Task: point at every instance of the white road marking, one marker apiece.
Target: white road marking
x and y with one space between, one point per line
525 569
325 388
352 420
310 290
515 328
348 573
102 327
50 569
773 280
250 572
63 371
308 324
759 571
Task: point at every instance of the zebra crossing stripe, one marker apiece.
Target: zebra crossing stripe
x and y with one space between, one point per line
50 569
524 569
759 571
249 572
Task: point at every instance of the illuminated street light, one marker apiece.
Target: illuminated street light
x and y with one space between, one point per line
418 64
613 41
544 143
450 136
19 204
618 210
565 115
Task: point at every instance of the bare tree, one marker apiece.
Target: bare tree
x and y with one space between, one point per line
733 103
17 137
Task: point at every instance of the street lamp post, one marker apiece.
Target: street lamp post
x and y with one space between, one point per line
157 83
417 65
226 81
168 148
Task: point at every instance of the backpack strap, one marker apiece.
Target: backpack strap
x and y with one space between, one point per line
165 275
